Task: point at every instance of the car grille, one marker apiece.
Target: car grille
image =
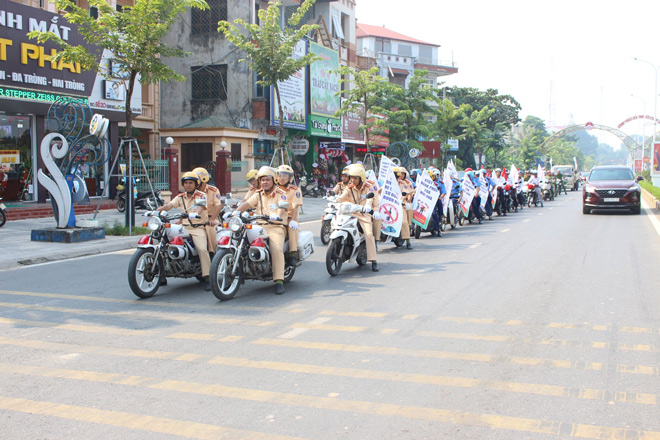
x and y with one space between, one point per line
618 193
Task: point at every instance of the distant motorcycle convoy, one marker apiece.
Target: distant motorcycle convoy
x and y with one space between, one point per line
223 242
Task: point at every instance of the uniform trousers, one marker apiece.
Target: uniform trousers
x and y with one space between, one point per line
276 236
201 241
366 222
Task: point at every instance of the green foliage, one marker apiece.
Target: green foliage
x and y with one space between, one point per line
134 36
269 47
650 188
368 91
119 229
476 129
408 110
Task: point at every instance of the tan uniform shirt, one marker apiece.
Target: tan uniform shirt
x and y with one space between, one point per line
213 200
354 195
183 202
406 187
339 188
266 204
294 196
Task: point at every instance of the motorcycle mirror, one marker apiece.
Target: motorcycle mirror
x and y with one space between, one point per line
200 202
371 195
331 193
223 200
283 205
404 194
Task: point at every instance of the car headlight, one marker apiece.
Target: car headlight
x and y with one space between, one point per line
590 188
635 187
154 223
234 224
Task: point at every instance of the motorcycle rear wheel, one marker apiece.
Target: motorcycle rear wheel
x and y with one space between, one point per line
223 284
418 231
333 260
325 231
3 218
121 205
361 259
143 282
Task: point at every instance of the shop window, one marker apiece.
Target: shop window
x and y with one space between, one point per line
195 155
206 22
259 90
209 83
236 152
263 148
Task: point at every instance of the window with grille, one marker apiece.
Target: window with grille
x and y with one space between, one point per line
205 22
209 83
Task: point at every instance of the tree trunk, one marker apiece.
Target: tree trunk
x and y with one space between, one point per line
127 103
280 134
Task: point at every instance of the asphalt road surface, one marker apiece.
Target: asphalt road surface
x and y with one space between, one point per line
540 325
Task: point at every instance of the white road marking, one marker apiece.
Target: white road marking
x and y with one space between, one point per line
526 220
651 216
505 230
299 331
475 245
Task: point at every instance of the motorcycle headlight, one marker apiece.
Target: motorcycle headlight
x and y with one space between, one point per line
154 223
345 209
234 224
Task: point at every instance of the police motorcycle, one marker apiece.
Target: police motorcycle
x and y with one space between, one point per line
347 240
141 199
307 189
3 213
243 253
548 190
451 214
532 196
168 251
329 213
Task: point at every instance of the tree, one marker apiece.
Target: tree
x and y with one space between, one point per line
368 90
269 47
450 122
408 110
133 35
477 131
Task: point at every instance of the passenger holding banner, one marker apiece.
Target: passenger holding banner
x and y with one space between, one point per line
356 193
406 202
437 210
476 201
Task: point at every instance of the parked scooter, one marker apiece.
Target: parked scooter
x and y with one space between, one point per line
3 213
310 189
548 190
347 240
168 251
532 196
243 253
142 199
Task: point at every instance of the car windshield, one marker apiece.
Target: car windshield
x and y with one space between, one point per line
611 174
564 170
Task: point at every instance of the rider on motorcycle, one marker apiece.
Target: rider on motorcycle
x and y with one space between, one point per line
476 200
294 196
354 193
195 227
406 202
437 216
534 180
265 202
343 183
213 205
500 182
251 178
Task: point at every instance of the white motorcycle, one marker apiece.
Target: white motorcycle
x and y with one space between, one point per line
243 253
329 214
347 241
168 251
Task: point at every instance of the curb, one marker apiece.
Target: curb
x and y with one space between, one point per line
650 200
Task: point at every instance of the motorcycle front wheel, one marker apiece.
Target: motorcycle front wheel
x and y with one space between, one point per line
121 205
143 281
418 231
333 259
325 231
3 218
223 284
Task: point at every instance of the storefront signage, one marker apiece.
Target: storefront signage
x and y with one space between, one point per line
292 95
324 126
299 147
8 158
350 126
35 95
324 81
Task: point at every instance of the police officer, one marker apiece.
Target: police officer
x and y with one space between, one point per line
405 186
343 183
265 201
359 187
294 196
434 174
195 227
213 205
251 178
476 201
500 182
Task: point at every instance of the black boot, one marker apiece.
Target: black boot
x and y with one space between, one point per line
279 289
291 261
408 245
374 266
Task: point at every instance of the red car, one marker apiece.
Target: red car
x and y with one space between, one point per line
611 187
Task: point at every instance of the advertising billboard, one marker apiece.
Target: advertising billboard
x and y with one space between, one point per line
324 84
292 95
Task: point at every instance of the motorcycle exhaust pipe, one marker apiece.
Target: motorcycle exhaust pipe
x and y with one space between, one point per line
176 252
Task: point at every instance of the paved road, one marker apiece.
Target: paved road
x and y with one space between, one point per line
540 325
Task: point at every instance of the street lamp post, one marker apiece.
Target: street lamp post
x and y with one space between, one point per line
654 178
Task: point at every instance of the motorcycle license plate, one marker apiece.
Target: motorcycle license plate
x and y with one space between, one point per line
611 199
2 206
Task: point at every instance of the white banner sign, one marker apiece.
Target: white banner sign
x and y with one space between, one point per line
468 194
426 195
390 205
385 166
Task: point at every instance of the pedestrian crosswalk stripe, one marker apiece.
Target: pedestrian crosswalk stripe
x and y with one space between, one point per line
493 421
133 421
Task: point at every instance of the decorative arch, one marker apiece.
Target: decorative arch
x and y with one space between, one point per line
629 142
637 117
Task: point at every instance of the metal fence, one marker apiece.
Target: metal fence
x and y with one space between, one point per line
239 165
158 171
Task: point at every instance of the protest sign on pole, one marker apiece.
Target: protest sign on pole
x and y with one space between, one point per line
483 192
468 194
390 205
385 166
448 184
426 195
452 169
514 175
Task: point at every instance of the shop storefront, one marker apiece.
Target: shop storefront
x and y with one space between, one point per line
30 83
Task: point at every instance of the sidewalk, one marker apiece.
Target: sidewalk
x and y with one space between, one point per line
20 250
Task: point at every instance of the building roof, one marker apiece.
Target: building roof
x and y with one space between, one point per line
367 30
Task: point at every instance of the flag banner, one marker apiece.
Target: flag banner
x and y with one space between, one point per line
469 192
540 174
452 169
448 184
390 205
483 192
515 175
385 166
426 196
371 177
494 197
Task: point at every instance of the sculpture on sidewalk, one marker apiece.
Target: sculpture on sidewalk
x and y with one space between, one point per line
76 139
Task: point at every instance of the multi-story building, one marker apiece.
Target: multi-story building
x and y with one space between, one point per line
398 55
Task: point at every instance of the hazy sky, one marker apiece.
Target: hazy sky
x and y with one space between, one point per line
583 49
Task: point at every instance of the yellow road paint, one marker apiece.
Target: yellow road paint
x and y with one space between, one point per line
132 421
196 336
636 330
334 328
154 424
410 316
388 331
358 314
466 336
78 328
